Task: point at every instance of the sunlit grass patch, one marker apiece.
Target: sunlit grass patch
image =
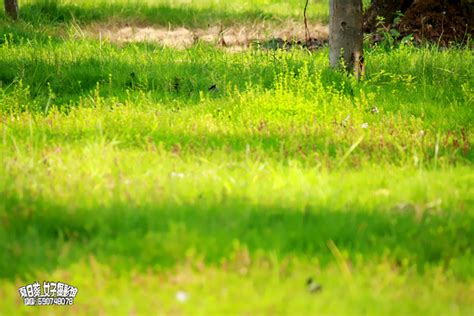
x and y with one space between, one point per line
164 12
191 179
262 285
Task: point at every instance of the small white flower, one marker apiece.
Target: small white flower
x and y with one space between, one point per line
344 121
182 296
365 125
177 175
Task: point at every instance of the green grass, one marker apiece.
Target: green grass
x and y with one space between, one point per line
134 187
170 12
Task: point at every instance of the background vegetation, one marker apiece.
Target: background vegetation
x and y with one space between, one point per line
134 171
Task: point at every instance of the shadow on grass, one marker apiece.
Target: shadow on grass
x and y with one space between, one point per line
41 236
164 78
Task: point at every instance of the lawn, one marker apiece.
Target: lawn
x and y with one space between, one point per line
206 181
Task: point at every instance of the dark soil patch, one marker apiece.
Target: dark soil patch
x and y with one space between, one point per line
443 22
280 43
438 21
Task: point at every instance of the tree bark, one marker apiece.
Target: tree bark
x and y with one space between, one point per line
346 36
11 8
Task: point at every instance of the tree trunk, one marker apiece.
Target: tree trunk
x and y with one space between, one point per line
11 8
346 36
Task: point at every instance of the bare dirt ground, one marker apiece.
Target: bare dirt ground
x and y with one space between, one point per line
236 37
